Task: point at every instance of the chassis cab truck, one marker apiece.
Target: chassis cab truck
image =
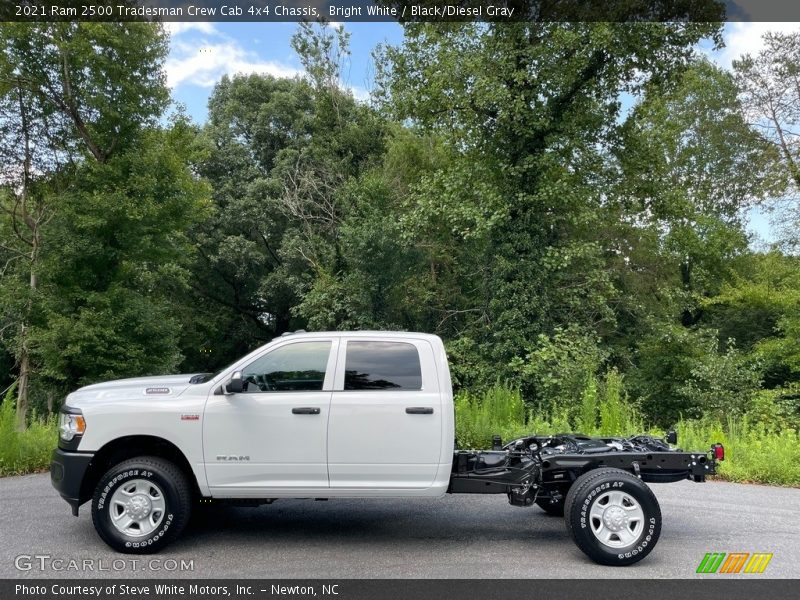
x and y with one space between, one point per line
332 415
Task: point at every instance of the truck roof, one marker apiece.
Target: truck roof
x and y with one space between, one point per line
371 333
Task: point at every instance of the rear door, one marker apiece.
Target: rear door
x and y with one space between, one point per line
385 424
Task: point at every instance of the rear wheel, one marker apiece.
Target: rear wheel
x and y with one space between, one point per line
613 517
141 505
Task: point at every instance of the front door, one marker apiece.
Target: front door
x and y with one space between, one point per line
273 435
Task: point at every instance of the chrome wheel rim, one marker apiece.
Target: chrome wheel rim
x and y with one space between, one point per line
616 519
137 508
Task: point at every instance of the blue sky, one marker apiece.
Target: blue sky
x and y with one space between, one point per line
201 53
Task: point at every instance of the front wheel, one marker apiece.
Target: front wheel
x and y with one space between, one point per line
141 505
613 517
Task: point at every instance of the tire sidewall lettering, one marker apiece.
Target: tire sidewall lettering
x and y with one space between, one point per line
581 529
587 501
119 479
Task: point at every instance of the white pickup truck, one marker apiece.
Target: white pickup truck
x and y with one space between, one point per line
339 414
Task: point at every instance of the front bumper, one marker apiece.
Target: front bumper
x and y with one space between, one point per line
67 470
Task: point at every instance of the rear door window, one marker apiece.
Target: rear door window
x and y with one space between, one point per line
388 366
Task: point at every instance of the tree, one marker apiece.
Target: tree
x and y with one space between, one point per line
759 308
690 165
770 89
527 113
119 261
89 93
26 151
280 154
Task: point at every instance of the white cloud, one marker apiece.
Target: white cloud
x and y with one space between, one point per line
746 38
176 28
200 54
203 64
359 93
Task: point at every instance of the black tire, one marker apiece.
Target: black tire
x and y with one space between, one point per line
555 509
168 481
594 486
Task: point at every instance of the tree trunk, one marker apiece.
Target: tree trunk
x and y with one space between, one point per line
22 389
33 225
24 352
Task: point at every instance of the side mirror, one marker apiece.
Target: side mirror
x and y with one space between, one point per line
236 384
672 437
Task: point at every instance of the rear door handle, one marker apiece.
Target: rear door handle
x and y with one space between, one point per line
419 410
305 410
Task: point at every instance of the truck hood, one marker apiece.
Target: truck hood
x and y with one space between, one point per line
149 388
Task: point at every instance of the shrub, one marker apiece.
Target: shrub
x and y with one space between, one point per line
753 452
24 451
587 415
554 373
682 372
497 411
777 409
723 383
618 417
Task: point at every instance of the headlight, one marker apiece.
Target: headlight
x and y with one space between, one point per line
70 424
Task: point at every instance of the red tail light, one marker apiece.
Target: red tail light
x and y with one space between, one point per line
719 451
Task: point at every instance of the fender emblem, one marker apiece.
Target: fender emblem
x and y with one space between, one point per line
231 458
190 417
157 390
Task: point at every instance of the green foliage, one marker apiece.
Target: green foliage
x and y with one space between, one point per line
512 212
24 451
754 453
692 130
500 410
294 226
97 84
588 411
497 411
468 369
684 373
721 384
119 257
558 369
617 415
98 248
760 309
778 409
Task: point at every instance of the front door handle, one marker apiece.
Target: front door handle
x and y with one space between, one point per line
419 410
305 410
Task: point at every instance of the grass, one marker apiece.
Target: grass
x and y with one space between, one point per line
497 411
24 451
754 453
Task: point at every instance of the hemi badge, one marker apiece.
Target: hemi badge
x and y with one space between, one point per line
157 390
190 417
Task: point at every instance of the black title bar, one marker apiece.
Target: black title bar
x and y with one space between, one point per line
344 11
435 589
